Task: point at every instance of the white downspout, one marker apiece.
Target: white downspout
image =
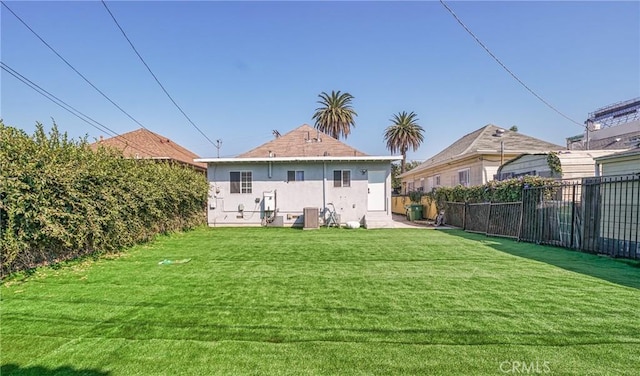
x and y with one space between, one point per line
324 185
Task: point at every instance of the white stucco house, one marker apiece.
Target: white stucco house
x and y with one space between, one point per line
273 184
622 163
619 193
575 164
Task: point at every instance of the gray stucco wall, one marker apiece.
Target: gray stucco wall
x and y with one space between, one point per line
317 190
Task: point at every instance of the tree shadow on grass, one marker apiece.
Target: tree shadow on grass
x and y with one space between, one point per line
619 271
14 369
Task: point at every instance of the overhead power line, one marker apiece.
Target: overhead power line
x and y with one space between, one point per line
80 74
72 110
72 67
507 69
154 76
53 98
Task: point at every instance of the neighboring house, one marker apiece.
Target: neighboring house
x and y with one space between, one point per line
573 163
144 144
473 159
616 126
274 183
621 163
618 223
619 137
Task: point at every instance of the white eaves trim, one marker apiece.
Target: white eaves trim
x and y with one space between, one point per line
301 159
622 154
514 151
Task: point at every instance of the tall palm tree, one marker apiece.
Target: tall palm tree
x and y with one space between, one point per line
405 133
335 117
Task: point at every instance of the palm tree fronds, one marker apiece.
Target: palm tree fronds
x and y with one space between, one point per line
335 116
404 133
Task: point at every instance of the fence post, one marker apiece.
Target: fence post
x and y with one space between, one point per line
573 212
486 229
521 215
464 216
541 217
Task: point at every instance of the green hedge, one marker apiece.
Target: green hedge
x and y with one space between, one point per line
60 199
509 190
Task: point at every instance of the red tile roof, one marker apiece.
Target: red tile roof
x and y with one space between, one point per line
143 143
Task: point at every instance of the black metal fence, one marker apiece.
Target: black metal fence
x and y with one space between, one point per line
477 217
505 219
596 215
550 215
455 213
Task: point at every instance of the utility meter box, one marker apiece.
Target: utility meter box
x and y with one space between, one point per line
269 201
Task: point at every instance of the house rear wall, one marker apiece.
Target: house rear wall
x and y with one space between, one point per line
291 197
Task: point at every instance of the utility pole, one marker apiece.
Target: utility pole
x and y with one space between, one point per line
218 145
588 124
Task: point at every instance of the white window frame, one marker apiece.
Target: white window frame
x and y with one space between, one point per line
436 180
410 186
466 183
298 175
341 183
246 182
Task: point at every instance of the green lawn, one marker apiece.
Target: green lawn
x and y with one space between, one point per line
332 301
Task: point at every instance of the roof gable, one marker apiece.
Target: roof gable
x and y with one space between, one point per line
143 143
489 138
304 141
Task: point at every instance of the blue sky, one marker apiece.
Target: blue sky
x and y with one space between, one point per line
243 69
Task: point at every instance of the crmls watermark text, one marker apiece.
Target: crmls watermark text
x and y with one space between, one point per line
518 367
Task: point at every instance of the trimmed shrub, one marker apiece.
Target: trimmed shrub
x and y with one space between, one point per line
60 199
509 190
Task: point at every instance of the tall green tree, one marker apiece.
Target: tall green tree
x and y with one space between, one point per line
405 133
335 116
396 182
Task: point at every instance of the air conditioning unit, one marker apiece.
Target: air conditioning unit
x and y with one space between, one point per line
311 218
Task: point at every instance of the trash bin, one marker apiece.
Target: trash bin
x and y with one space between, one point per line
414 212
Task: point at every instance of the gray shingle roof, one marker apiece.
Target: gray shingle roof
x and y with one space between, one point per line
487 139
304 141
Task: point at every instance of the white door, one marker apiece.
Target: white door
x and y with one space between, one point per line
377 194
